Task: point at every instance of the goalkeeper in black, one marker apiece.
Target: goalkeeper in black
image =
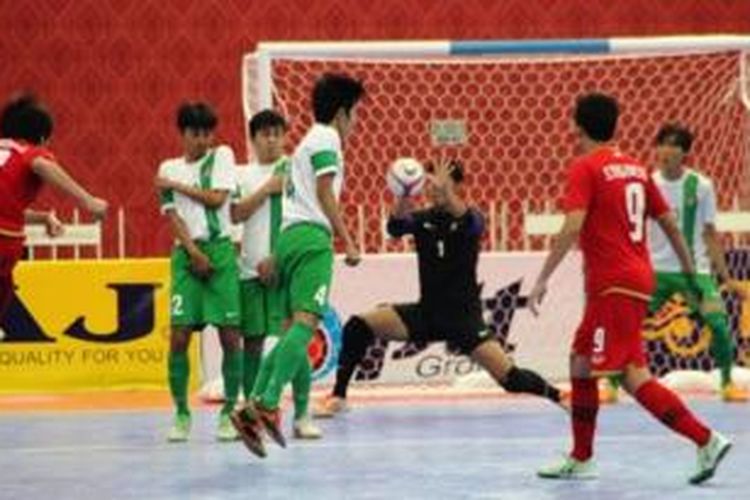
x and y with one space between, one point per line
447 237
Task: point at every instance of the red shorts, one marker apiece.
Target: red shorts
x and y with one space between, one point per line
11 251
610 333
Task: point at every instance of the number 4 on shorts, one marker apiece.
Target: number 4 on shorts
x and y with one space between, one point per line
320 295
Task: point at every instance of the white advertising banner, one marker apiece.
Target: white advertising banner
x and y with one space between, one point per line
541 343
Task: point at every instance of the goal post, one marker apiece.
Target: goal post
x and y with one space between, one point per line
504 108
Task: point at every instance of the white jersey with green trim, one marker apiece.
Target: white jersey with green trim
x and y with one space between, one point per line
319 153
663 257
260 230
215 170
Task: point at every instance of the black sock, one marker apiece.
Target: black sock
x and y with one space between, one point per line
523 380
356 339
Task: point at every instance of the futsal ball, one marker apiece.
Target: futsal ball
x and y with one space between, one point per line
405 177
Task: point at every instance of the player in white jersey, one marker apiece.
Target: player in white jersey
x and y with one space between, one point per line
258 207
304 253
692 198
195 192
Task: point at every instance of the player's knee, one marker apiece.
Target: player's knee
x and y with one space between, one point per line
357 337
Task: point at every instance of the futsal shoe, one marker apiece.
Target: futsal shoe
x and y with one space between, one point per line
304 428
731 393
329 407
570 468
224 431
180 431
710 456
250 429
271 420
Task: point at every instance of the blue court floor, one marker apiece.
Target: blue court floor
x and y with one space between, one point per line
458 449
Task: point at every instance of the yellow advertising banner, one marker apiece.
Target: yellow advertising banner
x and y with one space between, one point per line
89 324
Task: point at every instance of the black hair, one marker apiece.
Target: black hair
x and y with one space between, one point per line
196 116
25 118
456 170
333 92
674 133
265 119
597 114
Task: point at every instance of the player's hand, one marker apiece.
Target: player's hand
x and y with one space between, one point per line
53 226
536 296
441 177
266 270
736 288
201 265
353 256
274 185
97 207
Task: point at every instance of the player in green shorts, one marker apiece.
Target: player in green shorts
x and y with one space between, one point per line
195 194
258 208
303 255
693 199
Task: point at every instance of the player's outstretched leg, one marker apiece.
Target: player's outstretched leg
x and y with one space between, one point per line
664 404
178 368
291 354
491 356
303 427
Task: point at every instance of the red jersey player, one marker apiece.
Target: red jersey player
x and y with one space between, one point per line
25 166
608 197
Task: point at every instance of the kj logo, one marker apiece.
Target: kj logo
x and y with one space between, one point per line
135 313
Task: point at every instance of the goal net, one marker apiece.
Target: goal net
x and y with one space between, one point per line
505 110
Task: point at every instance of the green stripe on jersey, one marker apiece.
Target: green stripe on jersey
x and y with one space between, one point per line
212 218
281 168
166 197
323 159
690 210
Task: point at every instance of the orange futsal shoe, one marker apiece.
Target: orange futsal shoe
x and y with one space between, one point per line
731 393
249 427
271 420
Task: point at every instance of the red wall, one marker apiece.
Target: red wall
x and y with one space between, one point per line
114 71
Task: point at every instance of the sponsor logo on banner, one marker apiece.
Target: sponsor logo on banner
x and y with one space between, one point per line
324 348
679 339
86 325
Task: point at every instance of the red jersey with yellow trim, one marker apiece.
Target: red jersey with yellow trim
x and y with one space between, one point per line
617 193
19 185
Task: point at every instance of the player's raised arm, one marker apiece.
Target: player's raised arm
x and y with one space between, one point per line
444 181
54 174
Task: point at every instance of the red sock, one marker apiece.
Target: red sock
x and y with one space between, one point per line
585 406
670 410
